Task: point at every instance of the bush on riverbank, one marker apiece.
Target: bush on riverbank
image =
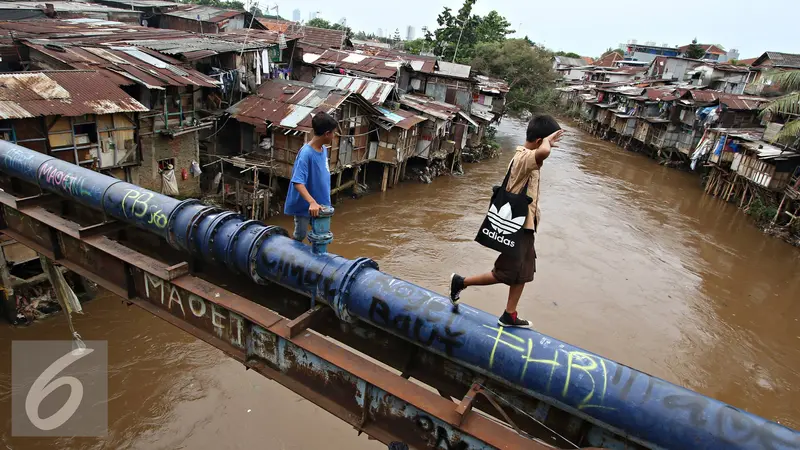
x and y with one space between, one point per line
763 213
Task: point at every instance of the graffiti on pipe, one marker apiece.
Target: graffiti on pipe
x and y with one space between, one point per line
733 425
569 364
67 182
422 316
18 160
136 204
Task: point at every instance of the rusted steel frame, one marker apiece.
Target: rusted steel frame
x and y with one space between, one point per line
424 365
371 398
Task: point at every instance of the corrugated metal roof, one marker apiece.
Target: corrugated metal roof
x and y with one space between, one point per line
427 105
203 13
137 65
73 7
289 104
400 118
64 93
357 63
483 112
197 47
374 91
569 62
127 4
742 102
492 85
453 70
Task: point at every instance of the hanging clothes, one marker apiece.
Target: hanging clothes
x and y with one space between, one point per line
169 184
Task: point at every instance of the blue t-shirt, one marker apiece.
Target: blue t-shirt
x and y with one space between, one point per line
310 169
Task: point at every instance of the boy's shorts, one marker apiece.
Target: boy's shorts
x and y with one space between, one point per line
517 270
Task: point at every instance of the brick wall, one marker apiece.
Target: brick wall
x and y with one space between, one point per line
183 149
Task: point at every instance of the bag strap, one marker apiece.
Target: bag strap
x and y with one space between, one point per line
508 174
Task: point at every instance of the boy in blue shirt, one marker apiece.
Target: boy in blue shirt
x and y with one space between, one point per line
310 186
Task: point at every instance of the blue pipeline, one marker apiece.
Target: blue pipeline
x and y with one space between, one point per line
641 408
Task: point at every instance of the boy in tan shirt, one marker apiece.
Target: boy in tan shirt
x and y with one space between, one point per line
542 134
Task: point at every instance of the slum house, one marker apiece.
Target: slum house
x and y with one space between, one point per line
78 116
671 68
600 75
758 83
151 10
207 19
73 31
743 166
720 77
394 145
445 82
488 106
712 52
609 100
697 111
316 37
239 60
173 94
563 66
22 10
275 123
443 135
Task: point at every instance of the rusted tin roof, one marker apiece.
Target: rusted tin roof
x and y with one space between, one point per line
427 105
193 48
401 118
125 65
420 63
608 60
289 104
374 91
261 37
67 7
63 93
492 85
357 63
742 102
732 101
204 13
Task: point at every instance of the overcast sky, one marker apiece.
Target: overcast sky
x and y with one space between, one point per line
589 27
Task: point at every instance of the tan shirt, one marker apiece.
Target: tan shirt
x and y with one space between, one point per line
525 168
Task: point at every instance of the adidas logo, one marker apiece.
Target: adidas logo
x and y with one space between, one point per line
502 221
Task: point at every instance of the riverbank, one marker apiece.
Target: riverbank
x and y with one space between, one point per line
765 208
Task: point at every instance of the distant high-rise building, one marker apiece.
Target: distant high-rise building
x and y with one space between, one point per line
312 15
296 15
380 32
410 33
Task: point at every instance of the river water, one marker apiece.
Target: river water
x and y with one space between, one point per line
635 263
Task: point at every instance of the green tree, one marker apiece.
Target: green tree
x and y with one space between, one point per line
526 69
456 31
787 105
567 54
417 46
529 41
493 28
319 22
695 51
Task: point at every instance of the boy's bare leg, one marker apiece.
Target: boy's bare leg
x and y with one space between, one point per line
514 294
484 279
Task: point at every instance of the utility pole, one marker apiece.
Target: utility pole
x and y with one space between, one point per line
463 24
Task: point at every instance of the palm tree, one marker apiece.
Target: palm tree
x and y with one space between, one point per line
789 104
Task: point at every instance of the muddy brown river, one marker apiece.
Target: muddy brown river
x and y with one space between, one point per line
635 263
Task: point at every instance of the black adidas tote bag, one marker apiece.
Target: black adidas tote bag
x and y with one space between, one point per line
502 228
